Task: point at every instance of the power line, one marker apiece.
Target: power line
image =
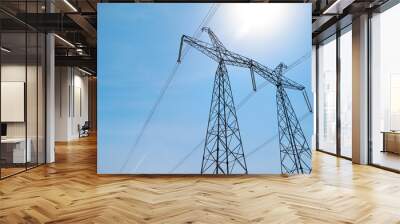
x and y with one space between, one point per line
187 156
211 12
150 116
265 83
303 117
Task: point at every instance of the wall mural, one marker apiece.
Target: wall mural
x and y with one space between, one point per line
160 65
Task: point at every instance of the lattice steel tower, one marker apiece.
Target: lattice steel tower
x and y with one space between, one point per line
223 148
223 151
295 153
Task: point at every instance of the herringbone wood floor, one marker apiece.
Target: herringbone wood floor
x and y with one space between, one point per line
70 191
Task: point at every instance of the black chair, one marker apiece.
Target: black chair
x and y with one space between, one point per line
84 130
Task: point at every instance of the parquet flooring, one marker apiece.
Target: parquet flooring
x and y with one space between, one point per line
10 171
70 191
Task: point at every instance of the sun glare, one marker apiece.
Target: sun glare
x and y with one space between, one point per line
256 19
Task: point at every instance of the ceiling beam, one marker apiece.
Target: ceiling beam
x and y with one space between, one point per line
48 22
85 25
81 61
338 6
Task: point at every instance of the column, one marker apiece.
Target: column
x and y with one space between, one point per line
360 90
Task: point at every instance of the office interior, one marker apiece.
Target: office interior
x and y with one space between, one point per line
48 100
334 75
48 76
45 89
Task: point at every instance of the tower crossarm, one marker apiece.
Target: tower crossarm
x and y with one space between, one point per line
275 77
269 74
205 48
231 58
218 52
214 39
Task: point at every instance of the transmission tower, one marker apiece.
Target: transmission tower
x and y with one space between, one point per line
294 149
295 152
223 148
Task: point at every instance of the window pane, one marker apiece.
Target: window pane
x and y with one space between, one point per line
346 93
386 89
327 96
32 88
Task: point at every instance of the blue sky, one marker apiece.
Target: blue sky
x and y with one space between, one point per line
137 49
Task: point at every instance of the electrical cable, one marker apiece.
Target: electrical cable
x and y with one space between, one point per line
273 138
211 12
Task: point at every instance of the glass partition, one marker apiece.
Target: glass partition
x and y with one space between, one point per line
31 100
41 97
13 105
41 88
22 91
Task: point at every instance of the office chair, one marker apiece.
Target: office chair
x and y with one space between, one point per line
84 130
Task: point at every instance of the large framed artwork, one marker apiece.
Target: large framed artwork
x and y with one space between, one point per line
204 88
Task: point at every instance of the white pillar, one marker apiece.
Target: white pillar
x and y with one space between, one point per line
314 92
50 99
50 91
360 90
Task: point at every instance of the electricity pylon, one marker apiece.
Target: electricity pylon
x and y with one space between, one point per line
295 152
223 148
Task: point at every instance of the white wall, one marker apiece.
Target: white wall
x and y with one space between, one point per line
79 115
71 87
12 73
62 82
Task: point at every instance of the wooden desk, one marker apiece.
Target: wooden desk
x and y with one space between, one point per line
13 150
391 141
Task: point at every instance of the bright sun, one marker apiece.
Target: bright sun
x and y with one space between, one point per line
259 19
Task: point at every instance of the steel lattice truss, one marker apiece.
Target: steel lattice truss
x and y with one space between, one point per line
294 149
223 149
220 155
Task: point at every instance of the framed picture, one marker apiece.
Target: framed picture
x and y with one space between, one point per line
204 88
